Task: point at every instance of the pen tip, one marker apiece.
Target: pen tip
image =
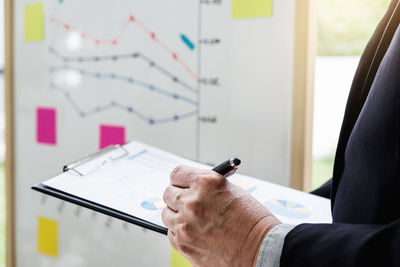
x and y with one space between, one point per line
237 161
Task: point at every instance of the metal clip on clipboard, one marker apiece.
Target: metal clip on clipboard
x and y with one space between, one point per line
101 158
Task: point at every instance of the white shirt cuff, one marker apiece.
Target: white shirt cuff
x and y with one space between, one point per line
272 245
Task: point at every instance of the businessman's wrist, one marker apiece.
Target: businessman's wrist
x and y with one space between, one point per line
251 246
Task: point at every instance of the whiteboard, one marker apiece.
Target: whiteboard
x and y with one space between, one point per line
181 75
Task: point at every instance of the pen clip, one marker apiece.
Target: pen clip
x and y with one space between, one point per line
232 172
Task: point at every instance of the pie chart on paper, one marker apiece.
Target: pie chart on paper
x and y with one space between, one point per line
153 204
287 208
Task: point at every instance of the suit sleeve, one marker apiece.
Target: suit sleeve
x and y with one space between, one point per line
343 245
324 190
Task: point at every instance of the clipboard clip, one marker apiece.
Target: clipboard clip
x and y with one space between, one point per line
113 153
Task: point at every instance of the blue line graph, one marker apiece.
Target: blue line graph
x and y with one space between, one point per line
130 80
116 105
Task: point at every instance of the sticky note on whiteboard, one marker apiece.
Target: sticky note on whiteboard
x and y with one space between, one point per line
177 260
46 123
242 9
34 22
111 135
47 236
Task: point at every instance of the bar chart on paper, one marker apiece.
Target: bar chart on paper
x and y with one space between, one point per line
288 209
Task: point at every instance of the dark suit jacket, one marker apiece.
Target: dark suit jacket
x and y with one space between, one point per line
365 189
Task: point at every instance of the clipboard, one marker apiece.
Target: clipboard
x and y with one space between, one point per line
75 167
120 182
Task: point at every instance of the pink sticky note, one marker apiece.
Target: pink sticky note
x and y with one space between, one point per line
46 123
111 135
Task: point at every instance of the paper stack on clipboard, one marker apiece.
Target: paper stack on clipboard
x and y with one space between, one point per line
128 182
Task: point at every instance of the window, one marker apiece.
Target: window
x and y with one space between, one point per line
344 28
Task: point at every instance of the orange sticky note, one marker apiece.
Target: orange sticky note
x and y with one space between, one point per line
177 260
47 239
34 23
242 9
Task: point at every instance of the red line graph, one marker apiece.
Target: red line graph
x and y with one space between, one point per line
114 41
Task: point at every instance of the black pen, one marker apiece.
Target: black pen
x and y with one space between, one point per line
228 167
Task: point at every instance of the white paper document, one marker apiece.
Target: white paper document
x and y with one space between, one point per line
133 180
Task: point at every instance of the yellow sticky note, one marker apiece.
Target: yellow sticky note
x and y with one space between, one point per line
242 9
177 260
47 240
34 23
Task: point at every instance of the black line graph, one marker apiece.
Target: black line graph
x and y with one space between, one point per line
136 55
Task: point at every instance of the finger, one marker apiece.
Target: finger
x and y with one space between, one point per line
172 239
173 197
184 176
184 249
170 218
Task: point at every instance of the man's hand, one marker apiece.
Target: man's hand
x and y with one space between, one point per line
213 222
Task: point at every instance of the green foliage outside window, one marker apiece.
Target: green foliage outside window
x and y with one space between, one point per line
345 26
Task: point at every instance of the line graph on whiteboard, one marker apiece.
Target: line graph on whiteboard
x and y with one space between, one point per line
141 64
66 75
